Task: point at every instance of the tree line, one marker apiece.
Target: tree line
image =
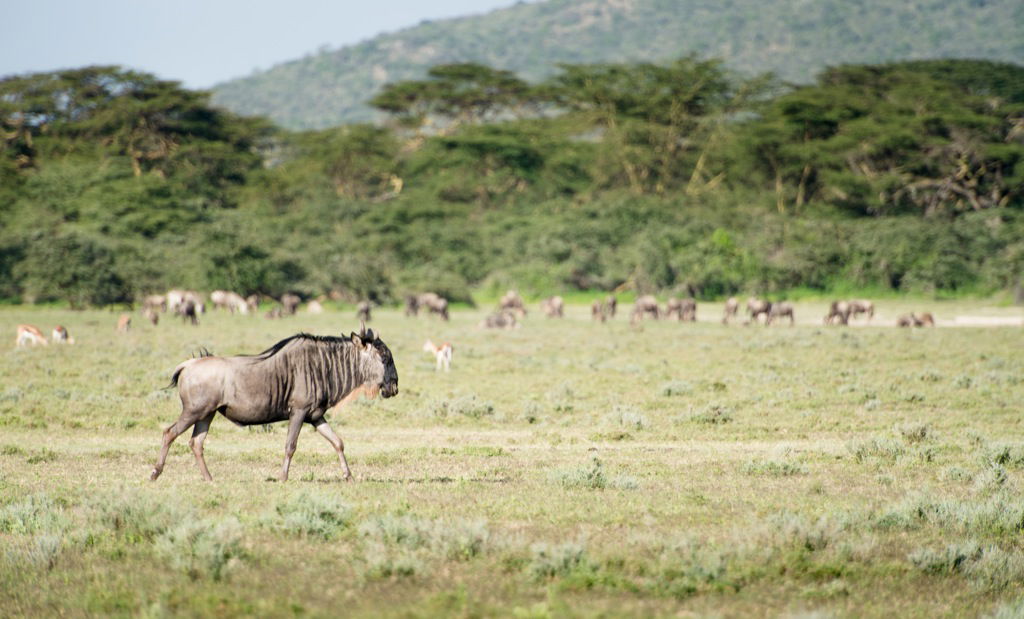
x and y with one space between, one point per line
677 176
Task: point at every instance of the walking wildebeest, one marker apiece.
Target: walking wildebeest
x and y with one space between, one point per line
124 323
644 306
780 309
442 353
756 307
296 380
499 320
838 312
862 306
732 307
290 303
684 309
363 311
513 304
29 335
60 335
553 307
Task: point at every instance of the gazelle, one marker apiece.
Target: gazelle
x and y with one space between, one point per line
443 353
29 335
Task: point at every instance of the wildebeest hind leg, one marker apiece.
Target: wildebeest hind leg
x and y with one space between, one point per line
327 432
199 432
294 425
172 432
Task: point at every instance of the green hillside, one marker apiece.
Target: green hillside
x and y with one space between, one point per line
793 38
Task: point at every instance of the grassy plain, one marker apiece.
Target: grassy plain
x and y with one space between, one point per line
562 469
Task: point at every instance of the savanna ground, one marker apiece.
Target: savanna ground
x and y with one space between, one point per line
564 468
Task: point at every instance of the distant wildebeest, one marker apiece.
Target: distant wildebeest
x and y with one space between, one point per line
290 303
363 311
151 315
512 303
611 305
124 323
188 311
553 307
499 320
924 319
252 302
231 301
758 307
838 313
781 309
155 302
296 380
433 303
314 307
275 312
60 335
29 335
684 309
442 353
732 308
862 306
177 298
597 311
645 306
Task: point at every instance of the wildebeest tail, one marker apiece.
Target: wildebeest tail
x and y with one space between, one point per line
184 364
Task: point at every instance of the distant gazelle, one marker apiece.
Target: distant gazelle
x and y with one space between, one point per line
442 353
29 335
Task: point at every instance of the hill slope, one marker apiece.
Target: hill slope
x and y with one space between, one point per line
794 38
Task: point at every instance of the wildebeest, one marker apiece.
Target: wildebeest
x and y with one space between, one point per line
838 313
684 309
363 311
124 323
553 307
252 302
756 307
296 380
151 315
231 301
645 306
60 335
597 311
274 313
188 311
290 303
29 335
177 298
154 302
862 306
442 353
499 320
924 319
732 307
611 305
512 303
780 309
433 303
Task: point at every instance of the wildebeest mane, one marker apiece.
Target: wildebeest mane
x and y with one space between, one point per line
327 366
276 348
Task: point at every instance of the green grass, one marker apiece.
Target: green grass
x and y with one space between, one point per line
564 468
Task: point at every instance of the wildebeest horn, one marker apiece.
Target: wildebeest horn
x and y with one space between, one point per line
362 328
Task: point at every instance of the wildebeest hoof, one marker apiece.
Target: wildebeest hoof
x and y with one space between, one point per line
154 475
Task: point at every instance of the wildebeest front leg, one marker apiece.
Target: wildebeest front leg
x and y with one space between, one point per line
327 432
199 432
294 425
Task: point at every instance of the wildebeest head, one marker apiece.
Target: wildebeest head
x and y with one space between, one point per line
377 362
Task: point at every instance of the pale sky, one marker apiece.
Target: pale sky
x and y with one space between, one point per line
200 42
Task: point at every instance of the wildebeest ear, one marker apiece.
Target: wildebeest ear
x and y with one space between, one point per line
358 341
370 335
